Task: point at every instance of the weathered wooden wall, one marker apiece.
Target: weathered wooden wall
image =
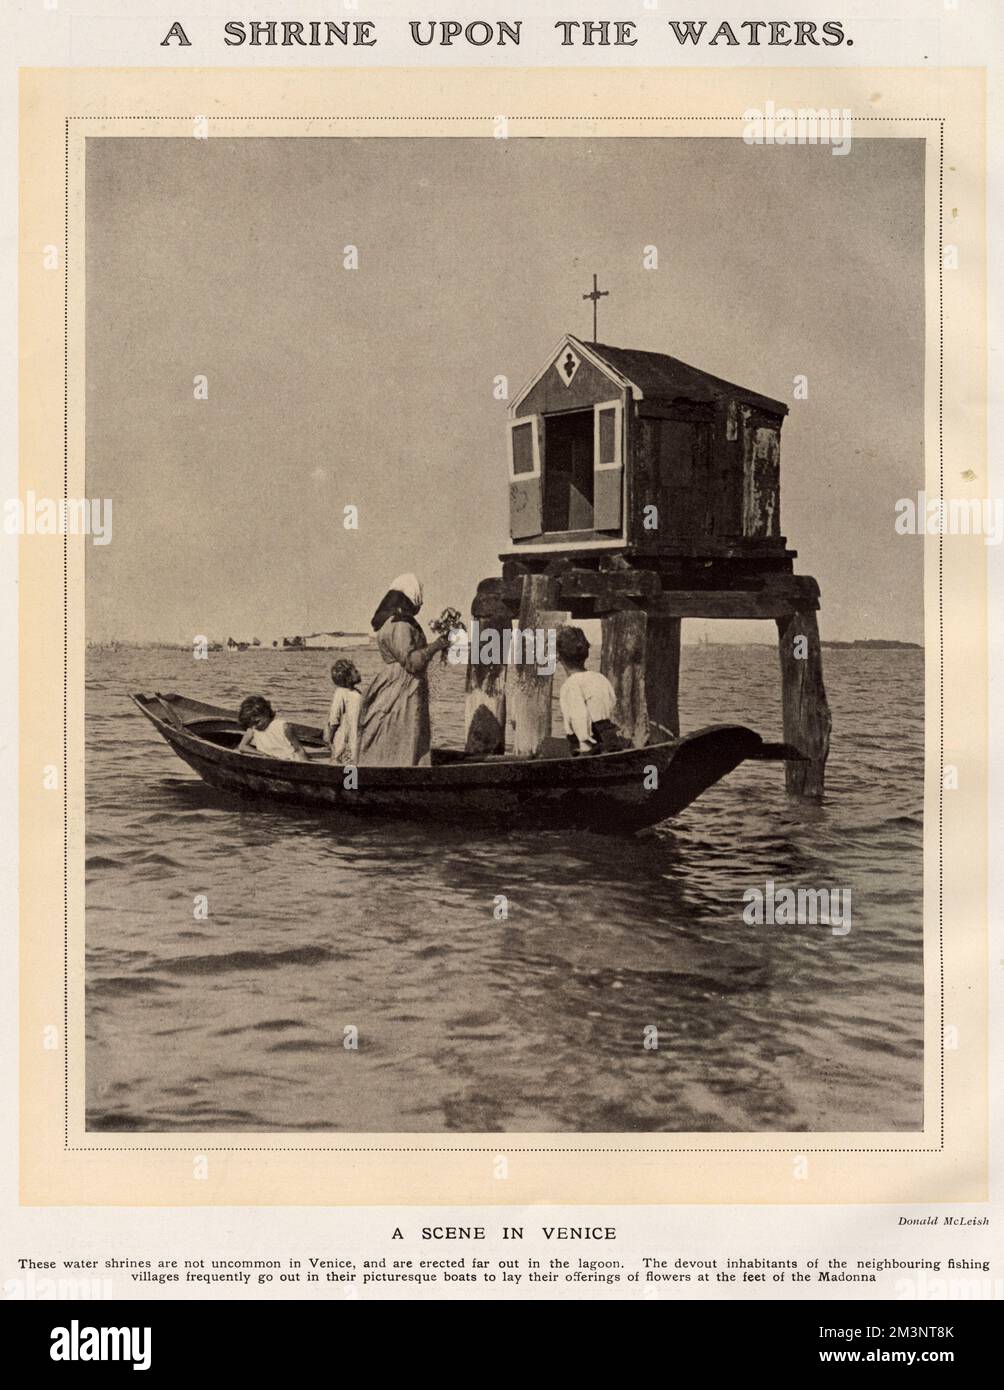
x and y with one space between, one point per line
712 471
761 494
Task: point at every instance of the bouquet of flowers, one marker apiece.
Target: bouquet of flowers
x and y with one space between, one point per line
449 624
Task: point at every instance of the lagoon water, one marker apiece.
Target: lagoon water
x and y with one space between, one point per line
536 1023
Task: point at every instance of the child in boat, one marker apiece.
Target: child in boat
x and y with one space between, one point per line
588 700
342 729
266 733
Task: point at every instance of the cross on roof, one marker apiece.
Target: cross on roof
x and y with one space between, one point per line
596 295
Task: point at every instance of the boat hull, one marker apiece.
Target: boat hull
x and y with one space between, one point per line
612 792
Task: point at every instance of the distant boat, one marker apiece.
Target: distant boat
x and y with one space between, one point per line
332 641
610 792
314 641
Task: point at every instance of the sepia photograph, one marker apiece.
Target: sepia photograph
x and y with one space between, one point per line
505 620
503 548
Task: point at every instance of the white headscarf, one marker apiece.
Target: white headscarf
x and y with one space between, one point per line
408 585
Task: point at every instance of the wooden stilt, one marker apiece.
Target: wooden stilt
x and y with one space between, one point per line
529 692
641 659
807 719
485 704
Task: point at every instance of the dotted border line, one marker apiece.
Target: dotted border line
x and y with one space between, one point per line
66 588
510 116
941 610
499 1148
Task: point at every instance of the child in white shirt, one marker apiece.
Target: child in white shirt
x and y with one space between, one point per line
266 733
588 700
342 728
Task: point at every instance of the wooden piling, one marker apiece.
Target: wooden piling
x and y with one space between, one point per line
485 703
641 659
529 692
807 718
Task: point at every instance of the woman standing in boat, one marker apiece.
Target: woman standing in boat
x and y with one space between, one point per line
394 726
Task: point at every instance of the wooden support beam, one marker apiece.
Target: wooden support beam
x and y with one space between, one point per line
641 659
662 676
529 691
609 588
593 592
485 702
606 589
772 601
493 599
807 719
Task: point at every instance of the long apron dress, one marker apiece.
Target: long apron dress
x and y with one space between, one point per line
394 726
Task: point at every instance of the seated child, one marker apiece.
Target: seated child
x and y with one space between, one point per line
588 701
266 733
342 728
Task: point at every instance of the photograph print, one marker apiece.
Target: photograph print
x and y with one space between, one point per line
504 675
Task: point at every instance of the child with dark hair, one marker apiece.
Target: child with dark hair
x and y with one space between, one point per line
341 732
588 700
266 733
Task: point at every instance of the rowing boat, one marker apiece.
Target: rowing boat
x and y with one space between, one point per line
611 792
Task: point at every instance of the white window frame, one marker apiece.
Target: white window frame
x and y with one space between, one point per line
618 408
534 422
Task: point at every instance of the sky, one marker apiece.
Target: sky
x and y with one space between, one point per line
373 387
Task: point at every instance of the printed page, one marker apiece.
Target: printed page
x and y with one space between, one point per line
501 548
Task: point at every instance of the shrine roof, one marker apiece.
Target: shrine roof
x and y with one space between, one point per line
659 376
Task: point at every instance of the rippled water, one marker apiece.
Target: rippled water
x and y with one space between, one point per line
535 1023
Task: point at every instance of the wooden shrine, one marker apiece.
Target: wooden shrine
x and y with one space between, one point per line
644 491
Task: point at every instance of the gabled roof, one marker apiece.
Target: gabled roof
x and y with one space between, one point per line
652 375
656 375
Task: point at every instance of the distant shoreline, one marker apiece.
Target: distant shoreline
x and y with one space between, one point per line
363 639
348 640
877 644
